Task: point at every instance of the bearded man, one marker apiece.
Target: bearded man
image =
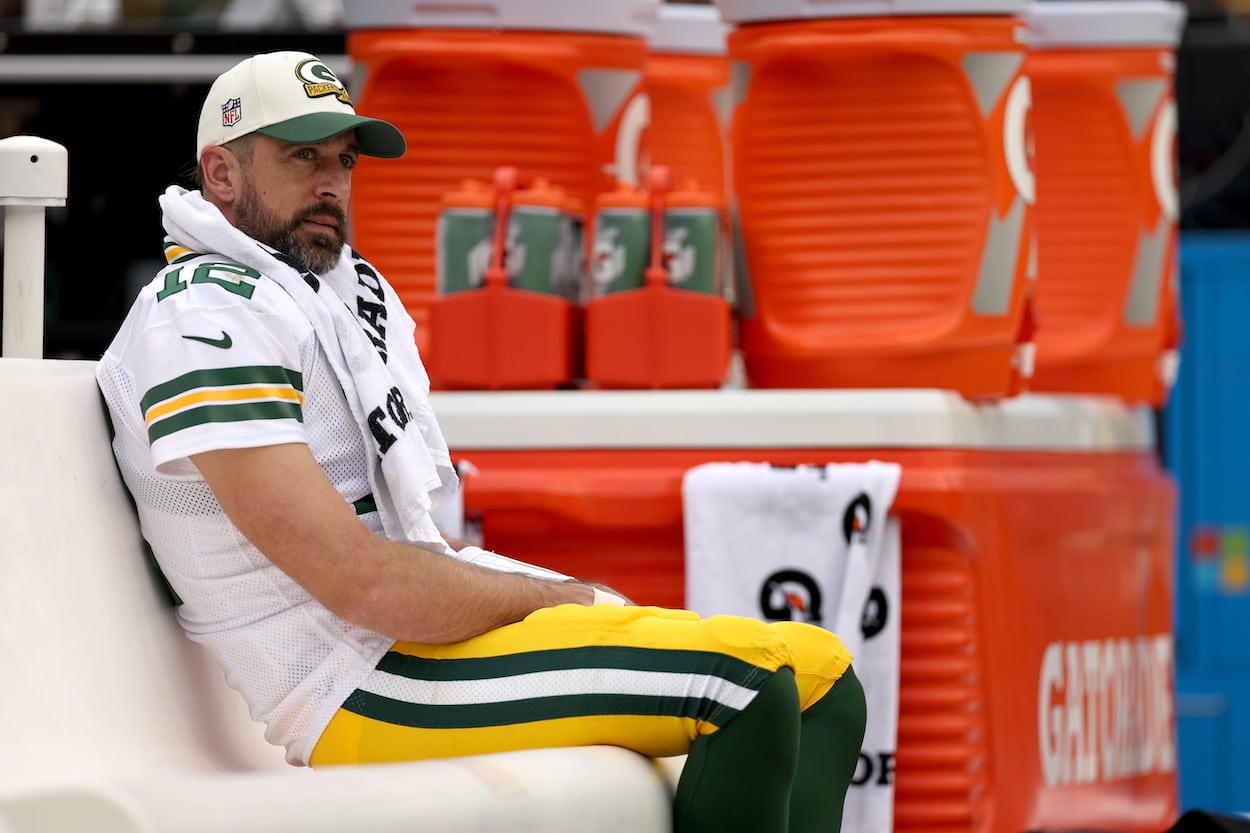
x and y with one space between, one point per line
272 421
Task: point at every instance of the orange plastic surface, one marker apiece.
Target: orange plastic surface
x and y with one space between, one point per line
1008 559
498 338
686 132
622 195
470 193
868 178
541 192
1097 204
657 337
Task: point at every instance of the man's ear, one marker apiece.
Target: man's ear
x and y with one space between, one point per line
223 175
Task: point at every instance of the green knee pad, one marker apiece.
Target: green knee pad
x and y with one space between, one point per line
738 778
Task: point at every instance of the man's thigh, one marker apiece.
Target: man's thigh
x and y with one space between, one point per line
649 679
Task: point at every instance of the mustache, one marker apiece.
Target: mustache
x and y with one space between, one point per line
325 209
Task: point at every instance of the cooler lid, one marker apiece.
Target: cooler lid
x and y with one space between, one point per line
621 17
683 28
818 419
754 11
1057 24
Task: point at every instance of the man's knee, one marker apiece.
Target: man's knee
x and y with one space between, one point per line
820 658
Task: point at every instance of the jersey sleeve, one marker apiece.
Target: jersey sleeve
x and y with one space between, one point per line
215 370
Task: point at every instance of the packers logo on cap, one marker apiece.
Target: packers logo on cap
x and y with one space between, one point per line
319 80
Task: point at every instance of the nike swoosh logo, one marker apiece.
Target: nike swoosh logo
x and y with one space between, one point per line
224 342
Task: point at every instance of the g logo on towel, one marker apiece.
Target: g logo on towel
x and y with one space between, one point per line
787 592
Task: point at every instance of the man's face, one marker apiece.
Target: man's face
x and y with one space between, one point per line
295 198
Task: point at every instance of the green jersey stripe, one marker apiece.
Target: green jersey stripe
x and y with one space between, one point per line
593 656
365 505
223 413
425 716
221 377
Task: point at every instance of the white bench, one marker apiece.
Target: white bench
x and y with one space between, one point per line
111 721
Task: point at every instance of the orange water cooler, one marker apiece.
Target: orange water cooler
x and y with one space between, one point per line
1037 539
687 78
657 312
1104 122
554 92
881 193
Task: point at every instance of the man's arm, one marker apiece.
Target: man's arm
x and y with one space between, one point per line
282 501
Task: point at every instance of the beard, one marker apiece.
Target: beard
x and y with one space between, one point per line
317 252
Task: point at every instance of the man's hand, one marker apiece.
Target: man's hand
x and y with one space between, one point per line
455 543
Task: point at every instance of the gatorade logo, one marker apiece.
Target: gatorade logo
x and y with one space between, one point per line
1162 160
857 519
1105 709
607 259
876 613
680 258
319 80
1018 139
634 120
477 261
790 595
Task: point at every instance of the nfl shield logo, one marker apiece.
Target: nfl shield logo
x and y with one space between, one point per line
231 112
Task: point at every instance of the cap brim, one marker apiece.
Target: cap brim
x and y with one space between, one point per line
374 137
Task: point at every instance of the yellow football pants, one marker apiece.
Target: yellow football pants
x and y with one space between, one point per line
645 678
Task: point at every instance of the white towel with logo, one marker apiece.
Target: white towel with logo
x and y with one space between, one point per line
810 543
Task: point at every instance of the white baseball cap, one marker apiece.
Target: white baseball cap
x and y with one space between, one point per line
292 96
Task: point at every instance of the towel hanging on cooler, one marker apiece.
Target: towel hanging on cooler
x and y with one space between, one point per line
813 544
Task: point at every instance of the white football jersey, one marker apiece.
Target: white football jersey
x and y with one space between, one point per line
213 356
